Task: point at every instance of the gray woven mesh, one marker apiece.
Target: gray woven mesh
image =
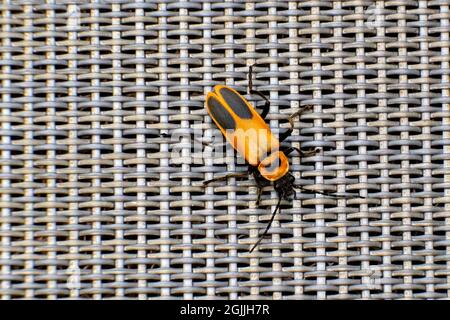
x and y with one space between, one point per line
93 205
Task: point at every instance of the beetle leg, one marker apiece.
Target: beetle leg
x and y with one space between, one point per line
260 184
329 193
309 152
288 132
259 196
225 177
266 106
303 153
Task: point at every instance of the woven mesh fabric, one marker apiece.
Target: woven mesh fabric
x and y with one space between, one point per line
94 205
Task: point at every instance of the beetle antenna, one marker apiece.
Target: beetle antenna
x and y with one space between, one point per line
329 194
269 224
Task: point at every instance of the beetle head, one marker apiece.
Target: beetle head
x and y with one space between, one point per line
285 186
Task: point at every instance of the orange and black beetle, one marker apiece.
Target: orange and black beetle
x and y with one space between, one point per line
248 133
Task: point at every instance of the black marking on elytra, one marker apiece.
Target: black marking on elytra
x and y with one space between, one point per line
220 114
236 103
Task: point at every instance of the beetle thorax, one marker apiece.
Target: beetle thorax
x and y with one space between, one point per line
274 166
